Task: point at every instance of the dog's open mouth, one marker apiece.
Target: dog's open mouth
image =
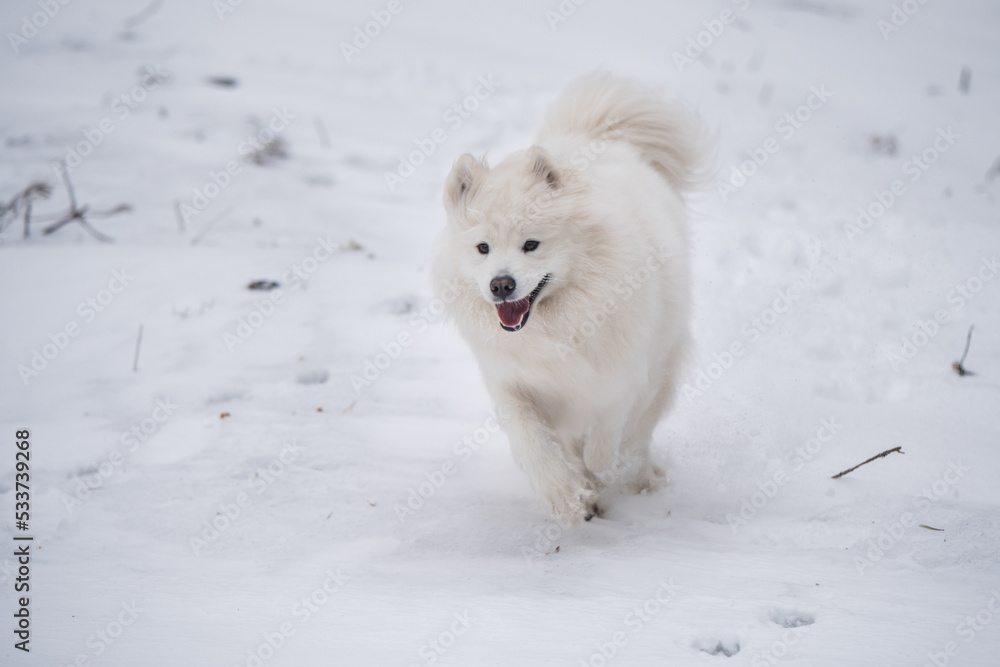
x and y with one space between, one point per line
514 314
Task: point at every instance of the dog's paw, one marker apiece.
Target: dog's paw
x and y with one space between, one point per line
592 511
649 479
574 505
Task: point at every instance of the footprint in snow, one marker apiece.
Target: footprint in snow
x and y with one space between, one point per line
788 618
728 646
313 377
401 306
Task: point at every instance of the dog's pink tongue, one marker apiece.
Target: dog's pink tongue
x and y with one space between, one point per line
511 312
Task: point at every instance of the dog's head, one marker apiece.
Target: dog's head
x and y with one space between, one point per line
509 231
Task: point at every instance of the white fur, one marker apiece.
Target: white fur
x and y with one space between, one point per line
580 390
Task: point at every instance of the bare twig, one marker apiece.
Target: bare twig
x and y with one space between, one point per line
69 186
26 199
180 216
121 208
223 81
964 79
79 214
877 456
269 151
993 171
324 139
34 191
5 210
820 8
211 223
27 219
144 15
138 343
959 365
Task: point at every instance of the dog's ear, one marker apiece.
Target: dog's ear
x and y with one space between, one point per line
542 167
463 180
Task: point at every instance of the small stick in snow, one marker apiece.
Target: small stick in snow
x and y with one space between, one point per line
138 343
924 525
144 15
27 218
42 190
23 199
964 79
324 139
208 226
180 216
877 456
959 368
993 171
79 213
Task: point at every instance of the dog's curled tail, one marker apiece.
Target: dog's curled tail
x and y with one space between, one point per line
600 106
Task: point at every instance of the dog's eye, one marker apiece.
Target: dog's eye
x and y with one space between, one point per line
530 245
483 248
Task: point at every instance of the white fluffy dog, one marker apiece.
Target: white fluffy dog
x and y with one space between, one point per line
584 233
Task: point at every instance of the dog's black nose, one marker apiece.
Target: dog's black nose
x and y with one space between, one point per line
502 286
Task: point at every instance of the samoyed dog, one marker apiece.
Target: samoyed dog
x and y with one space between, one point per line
570 265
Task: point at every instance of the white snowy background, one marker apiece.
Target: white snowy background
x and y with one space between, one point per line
254 519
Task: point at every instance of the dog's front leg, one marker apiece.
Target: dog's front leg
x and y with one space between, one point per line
561 479
602 450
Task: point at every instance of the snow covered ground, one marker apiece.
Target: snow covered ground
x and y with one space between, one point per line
239 500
